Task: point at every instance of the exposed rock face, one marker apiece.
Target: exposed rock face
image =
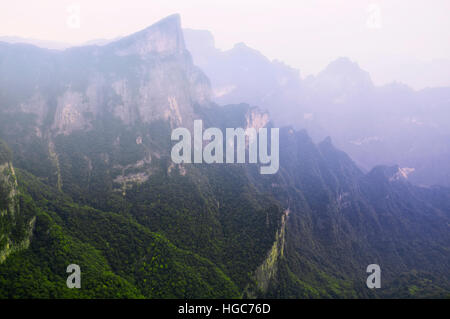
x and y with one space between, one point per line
256 118
8 188
69 112
268 269
144 77
163 38
11 239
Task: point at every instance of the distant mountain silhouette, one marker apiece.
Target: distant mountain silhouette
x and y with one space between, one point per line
390 124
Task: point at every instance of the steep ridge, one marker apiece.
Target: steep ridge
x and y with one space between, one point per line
95 169
343 220
267 271
375 125
105 146
143 77
15 226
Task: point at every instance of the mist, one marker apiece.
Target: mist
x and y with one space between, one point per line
403 40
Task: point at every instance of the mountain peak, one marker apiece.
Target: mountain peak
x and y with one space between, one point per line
170 23
342 64
240 45
344 67
344 75
162 37
327 141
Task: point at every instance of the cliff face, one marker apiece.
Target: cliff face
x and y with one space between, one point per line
144 77
15 232
8 189
164 37
267 271
94 123
8 183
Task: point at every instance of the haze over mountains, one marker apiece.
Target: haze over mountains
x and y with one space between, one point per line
390 124
86 177
377 125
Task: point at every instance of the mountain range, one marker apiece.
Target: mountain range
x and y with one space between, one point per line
376 125
86 178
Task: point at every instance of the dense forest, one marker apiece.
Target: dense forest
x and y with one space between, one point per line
204 231
86 178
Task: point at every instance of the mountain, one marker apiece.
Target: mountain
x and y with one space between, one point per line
89 133
342 219
389 125
53 45
376 125
112 74
39 43
243 74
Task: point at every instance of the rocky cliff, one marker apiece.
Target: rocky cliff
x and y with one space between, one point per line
143 77
15 232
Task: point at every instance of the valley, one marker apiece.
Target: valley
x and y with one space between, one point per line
88 179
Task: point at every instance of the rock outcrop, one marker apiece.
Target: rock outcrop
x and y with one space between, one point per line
15 232
144 77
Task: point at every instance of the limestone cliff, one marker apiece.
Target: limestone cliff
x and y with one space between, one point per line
15 232
268 269
144 77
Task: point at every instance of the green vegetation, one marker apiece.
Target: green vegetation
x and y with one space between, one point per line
108 198
118 257
5 153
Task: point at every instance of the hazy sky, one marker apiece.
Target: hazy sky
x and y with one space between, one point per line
392 39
